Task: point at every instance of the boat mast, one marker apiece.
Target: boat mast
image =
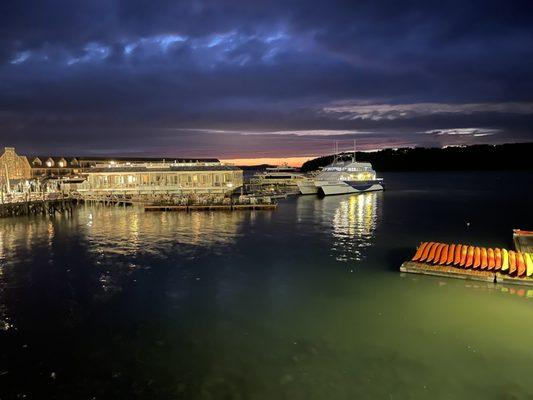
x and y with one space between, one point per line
353 158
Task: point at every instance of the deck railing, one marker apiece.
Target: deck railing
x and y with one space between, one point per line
12 198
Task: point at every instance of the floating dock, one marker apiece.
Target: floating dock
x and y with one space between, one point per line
471 263
212 207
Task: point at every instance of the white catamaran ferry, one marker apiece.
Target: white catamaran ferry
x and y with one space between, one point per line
344 175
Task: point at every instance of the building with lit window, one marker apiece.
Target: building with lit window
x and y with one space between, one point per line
193 176
13 167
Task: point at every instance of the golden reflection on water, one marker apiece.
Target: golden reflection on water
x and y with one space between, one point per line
353 223
118 242
122 237
131 232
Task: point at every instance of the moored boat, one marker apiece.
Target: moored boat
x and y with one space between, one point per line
346 175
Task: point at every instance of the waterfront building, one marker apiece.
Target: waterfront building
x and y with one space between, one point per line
52 166
184 176
120 174
62 166
13 167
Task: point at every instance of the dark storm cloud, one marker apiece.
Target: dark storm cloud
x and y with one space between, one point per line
165 76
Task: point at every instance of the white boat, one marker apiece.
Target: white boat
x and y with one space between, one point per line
345 175
278 176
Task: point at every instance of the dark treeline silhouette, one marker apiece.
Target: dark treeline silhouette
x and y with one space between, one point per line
475 157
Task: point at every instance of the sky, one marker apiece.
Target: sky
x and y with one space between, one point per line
242 79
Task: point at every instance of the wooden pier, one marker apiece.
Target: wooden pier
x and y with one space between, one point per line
447 272
207 207
60 203
466 274
36 204
176 202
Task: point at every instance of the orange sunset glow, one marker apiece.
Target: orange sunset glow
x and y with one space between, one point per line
292 161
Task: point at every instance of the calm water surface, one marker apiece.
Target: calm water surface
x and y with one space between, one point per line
305 302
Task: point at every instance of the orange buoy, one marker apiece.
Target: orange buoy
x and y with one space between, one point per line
497 259
426 251
451 253
444 254
484 258
431 255
457 256
490 258
477 257
437 253
512 262
469 257
419 251
464 255
520 264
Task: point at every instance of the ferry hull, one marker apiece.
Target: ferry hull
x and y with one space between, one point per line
333 188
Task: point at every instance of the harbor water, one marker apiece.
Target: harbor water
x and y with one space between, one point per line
304 302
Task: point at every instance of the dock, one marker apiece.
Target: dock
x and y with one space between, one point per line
471 263
35 204
447 272
207 207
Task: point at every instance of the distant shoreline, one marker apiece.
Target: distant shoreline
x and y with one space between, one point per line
516 156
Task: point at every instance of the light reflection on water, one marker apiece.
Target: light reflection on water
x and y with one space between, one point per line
132 233
348 220
353 226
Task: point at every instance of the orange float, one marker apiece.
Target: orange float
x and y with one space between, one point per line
432 252
484 258
469 257
438 253
451 253
490 258
477 257
497 259
464 255
444 254
520 264
425 253
457 256
512 262
420 250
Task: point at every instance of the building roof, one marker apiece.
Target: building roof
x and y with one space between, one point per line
146 159
123 159
170 168
85 160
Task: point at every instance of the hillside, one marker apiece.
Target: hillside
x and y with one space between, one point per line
476 157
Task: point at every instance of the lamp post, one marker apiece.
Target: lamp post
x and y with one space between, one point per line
8 186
